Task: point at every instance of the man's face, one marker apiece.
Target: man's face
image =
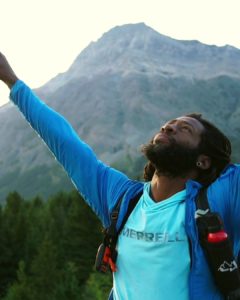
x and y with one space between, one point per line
185 131
175 149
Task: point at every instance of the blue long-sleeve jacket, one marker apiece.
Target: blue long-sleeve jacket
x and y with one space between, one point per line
101 186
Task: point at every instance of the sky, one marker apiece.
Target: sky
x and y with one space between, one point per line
41 38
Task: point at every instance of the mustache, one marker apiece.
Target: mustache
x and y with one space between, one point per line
160 137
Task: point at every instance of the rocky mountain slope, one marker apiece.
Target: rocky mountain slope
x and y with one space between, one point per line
116 94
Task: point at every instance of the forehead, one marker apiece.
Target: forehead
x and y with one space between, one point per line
194 123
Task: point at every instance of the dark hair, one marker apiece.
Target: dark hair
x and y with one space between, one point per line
213 144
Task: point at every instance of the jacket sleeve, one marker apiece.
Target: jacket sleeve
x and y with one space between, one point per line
234 204
99 184
225 199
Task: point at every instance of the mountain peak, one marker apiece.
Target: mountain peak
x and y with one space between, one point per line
131 28
134 48
130 32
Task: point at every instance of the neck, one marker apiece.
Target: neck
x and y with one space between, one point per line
163 187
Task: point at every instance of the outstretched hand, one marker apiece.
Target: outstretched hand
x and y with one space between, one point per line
7 74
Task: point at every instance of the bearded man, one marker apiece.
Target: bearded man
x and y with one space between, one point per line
159 253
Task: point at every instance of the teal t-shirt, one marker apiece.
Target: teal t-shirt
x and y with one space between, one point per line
153 252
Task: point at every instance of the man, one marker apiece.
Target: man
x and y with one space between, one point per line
159 255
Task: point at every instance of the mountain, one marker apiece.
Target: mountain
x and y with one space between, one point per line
116 94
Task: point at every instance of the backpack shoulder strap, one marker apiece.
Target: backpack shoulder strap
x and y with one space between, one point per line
202 200
132 203
107 253
217 248
115 212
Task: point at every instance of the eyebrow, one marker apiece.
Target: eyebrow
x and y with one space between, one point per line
179 120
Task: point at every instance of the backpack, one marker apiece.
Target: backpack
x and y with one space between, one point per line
213 239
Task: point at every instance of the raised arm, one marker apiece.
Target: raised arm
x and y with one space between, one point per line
7 74
99 184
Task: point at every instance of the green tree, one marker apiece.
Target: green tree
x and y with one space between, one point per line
57 211
81 237
36 219
44 271
98 286
68 287
13 238
20 290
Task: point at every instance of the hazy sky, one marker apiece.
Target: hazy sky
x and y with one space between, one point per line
41 38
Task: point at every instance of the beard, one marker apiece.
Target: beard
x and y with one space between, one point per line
172 160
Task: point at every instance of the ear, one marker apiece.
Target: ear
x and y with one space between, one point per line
203 162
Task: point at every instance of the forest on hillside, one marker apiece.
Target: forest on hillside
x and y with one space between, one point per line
48 248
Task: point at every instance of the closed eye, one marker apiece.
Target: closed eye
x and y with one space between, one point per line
186 128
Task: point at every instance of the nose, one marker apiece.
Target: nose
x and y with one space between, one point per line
169 128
